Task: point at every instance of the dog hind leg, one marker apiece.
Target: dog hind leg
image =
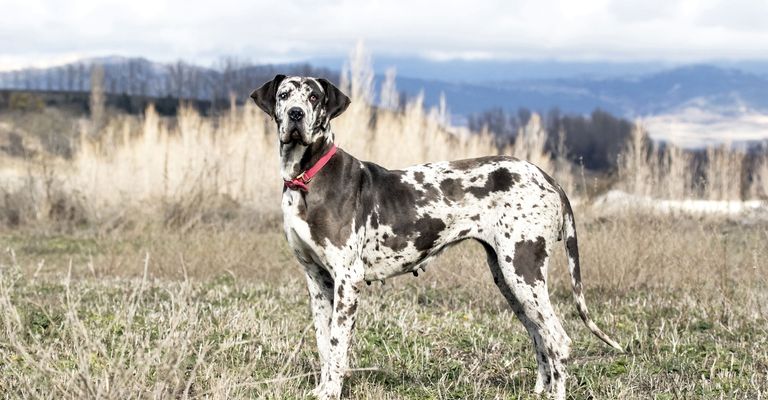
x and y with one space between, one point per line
531 304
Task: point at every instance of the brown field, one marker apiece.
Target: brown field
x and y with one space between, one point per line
150 263
222 312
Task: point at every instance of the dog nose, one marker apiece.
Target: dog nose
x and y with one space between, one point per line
296 114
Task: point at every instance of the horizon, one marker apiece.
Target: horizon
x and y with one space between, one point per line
378 60
213 63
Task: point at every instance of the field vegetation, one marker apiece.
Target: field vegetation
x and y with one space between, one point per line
149 262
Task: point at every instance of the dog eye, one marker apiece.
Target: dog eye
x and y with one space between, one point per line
283 95
313 98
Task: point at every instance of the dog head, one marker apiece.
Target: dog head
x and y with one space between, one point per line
302 107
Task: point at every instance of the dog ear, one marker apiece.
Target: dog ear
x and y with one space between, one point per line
335 101
266 96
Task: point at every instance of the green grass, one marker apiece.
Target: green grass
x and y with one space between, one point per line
229 328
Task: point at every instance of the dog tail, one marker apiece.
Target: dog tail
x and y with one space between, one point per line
572 250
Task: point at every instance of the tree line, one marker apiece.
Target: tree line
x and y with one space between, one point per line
593 140
142 78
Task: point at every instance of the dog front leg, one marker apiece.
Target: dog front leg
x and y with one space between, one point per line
321 286
345 301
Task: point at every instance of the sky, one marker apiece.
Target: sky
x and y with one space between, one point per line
49 32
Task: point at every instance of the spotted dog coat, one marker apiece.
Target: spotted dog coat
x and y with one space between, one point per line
360 222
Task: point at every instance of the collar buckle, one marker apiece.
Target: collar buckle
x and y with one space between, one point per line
300 182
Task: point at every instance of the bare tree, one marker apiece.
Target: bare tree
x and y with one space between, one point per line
80 77
70 84
176 79
97 99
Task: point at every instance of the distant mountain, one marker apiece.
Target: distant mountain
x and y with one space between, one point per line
623 89
704 86
485 71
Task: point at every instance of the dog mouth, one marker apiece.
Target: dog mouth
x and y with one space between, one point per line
294 135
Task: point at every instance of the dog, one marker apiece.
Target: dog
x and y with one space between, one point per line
351 222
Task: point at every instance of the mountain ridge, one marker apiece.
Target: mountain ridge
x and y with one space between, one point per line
624 89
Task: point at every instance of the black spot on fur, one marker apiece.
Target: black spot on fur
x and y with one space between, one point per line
396 243
508 258
429 230
498 180
572 247
452 189
418 176
352 309
429 195
464 232
529 259
334 341
475 217
472 163
340 292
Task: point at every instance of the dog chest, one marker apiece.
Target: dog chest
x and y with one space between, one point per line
297 230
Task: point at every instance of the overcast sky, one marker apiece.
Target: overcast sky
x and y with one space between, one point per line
45 32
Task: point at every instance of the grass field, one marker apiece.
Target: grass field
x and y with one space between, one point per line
222 312
142 257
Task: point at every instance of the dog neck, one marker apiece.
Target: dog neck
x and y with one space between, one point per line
296 158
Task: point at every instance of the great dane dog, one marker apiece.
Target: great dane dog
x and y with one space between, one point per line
351 222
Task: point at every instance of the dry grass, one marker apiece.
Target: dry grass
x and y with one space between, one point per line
223 313
669 173
172 169
151 265
183 171
759 187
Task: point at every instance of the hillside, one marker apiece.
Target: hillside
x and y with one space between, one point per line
629 89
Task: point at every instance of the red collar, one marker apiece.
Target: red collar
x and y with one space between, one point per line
300 182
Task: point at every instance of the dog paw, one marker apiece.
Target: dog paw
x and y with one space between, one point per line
326 392
315 393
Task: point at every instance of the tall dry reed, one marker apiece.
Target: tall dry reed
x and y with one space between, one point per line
723 176
179 166
759 186
669 172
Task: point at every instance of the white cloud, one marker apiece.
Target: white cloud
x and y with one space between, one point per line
45 30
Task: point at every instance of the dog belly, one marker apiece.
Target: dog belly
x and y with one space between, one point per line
387 270
383 262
